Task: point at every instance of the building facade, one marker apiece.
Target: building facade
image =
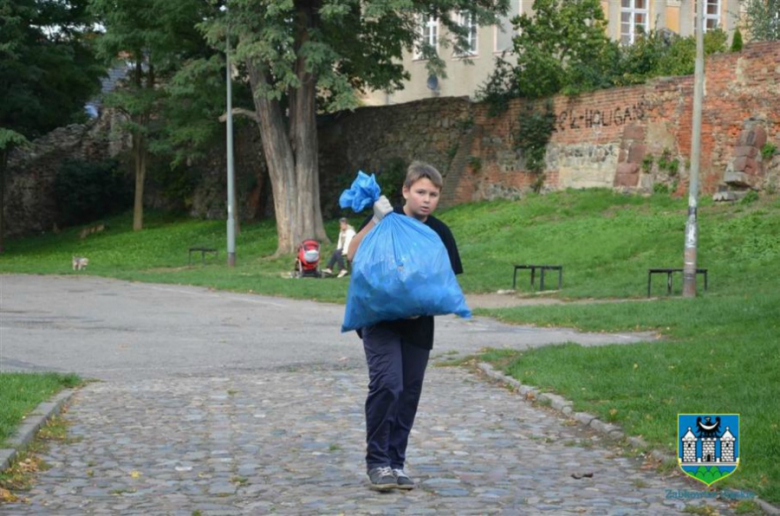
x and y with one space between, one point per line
467 71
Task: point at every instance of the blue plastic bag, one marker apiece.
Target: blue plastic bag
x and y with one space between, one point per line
401 270
363 193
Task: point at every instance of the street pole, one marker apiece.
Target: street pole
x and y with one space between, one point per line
231 222
691 226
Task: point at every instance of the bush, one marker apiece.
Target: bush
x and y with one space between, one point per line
750 197
390 177
736 43
660 188
86 191
564 49
768 150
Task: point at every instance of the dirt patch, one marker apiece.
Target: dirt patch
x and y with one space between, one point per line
495 300
510 299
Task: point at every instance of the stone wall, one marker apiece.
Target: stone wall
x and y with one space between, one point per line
375 139
632 138
30 205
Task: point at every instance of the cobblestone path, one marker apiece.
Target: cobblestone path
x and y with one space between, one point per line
291 442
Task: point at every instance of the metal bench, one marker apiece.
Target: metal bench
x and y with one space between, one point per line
542 268
203 251
669 272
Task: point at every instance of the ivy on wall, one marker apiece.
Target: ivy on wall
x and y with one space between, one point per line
534 132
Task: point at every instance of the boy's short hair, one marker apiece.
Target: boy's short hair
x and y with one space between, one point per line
343 219
419 170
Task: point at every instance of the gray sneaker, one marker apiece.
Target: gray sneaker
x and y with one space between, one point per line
403 480
382 478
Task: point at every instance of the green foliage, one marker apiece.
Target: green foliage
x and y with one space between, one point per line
475 163
762 19
535 131
657 54
195 100
499 88
681 57
87 191
768 150
177 182
46 75
345 46
647 163
668 164
563 46
749 198
156 37
736 41
10 139
660 188
391 176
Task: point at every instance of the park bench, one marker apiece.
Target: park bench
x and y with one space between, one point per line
542 269
203 251
669 272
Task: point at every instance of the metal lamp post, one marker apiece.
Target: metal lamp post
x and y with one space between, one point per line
691 225
231 221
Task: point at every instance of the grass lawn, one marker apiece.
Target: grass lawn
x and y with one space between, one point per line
20 393
721 352
720 355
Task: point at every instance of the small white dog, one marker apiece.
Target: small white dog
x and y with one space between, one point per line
79 263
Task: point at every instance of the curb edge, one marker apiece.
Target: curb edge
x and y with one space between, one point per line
31 424
588 420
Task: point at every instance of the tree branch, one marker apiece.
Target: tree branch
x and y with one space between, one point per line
241 112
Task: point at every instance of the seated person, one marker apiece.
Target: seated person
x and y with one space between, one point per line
345 237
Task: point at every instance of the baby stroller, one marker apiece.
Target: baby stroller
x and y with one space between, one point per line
307 262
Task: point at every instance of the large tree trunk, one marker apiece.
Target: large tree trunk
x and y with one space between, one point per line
3 162
292 162
303 137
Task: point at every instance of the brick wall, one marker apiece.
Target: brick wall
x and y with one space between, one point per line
601 139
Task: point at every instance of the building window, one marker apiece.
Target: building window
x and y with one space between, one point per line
633 20
469 22
504 30
429 34
711 15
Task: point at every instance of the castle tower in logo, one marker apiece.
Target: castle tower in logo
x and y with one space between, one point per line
708 448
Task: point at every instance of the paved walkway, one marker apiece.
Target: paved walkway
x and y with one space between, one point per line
286 438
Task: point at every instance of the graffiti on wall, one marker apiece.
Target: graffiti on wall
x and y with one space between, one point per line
584 155
574 119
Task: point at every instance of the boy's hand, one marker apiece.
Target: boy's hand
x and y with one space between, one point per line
381 208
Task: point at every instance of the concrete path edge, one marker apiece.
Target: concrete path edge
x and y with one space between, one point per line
31 424
565 406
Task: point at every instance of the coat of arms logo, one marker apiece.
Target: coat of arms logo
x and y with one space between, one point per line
708 445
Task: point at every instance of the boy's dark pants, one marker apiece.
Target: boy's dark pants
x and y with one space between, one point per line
337 256
396 370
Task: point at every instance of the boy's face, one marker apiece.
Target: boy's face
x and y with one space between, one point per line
343 225
421 198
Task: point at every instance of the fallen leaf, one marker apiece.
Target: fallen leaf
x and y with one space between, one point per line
7 496
135 474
